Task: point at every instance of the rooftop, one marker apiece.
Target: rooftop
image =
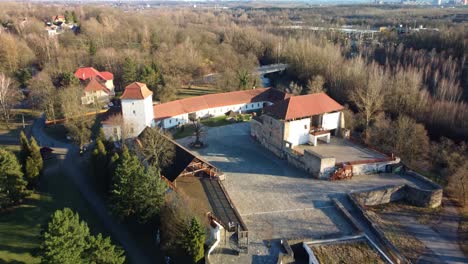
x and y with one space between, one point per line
302 106
193 104
136 91
85 73
95 85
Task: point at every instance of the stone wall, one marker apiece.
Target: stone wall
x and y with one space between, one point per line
269 132
316 165
430 197
373 167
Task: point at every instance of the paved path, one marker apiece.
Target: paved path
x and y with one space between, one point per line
446 250
70 167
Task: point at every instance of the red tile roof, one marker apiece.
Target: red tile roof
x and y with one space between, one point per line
303 106
193 104
84 73
135 91
95 85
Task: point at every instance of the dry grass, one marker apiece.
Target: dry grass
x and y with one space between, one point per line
359 252
408 245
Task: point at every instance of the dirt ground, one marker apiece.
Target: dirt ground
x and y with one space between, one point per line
359 252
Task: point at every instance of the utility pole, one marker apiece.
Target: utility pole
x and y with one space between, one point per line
22 116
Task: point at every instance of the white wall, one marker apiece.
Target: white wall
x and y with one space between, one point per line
331 121
89 97
217 111
110 85
298 131
137 114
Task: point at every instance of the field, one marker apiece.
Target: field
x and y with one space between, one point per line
196 91
20 227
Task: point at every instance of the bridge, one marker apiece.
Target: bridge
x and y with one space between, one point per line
262 70
271 68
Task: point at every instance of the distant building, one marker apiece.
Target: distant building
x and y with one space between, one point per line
99 86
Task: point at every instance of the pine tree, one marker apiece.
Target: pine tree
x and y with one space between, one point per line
129 71
65 239
150 195
102 251
36 154
193 240
25 149
92 48
31 171
100 161
124 188
12 184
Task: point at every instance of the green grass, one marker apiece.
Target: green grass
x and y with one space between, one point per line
196 91
20 227
185 132
223 120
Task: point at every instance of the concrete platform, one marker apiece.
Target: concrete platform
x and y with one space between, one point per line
343 150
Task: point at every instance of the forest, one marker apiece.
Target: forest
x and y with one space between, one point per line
405 93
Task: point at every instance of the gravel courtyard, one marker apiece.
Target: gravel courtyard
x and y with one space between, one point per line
275 199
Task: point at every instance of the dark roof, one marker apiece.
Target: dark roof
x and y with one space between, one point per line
181 160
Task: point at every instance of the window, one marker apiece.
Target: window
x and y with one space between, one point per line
134 112
170 121
133 103
305 126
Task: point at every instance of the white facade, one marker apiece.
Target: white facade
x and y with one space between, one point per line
137 114
331 121
110 85
93 96
210 112
298 131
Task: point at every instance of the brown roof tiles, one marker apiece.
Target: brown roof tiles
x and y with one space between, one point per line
135 91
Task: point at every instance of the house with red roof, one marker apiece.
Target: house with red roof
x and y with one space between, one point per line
298 120
99 86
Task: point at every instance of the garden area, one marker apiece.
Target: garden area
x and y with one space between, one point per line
356 252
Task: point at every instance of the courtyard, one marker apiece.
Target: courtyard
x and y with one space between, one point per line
275 199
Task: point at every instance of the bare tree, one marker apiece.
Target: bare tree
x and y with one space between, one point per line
9 97
198 132
315 85
369 97
156 148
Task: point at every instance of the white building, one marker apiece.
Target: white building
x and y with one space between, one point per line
137 109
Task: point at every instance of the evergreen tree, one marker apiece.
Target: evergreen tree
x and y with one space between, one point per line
31 171
124 188
99 161
151 75
36 154
129 74
102 251
65 239
92 48
73 17
193 240
12 184
68 240
136 191
25 149
150 195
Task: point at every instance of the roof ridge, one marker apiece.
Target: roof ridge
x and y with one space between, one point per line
288 100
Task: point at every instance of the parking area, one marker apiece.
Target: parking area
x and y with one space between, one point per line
275 199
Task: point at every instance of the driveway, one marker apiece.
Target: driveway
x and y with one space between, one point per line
275 199
69 161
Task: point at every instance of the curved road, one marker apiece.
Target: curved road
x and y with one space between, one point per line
69 167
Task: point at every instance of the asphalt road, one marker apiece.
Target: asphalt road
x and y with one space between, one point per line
69 166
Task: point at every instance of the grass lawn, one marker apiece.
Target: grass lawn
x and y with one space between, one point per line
14 127
185 132
196 91
223 120
20 227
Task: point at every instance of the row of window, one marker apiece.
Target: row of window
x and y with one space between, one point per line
217 110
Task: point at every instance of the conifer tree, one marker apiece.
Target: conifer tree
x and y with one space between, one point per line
102 251
65 239
31 171
151 192
129 74
99 161
12 184
193 240
24 147
35 153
